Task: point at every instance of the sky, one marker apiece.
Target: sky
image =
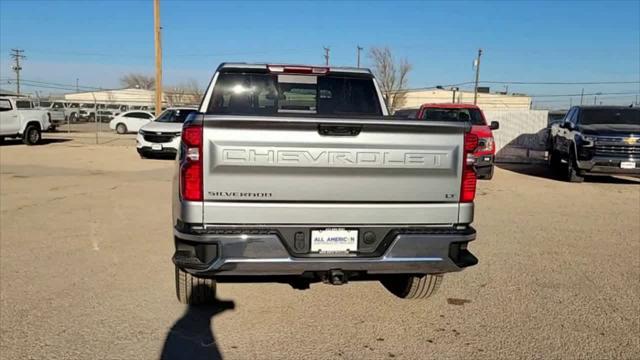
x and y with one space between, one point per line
97 42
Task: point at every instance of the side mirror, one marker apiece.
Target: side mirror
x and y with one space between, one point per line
494 125
568 125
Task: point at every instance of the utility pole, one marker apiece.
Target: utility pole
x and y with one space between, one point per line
454 90
358 48
158 43
595 98
326 55
581 96
16 54
475 89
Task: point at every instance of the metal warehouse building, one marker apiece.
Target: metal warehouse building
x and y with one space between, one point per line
130 96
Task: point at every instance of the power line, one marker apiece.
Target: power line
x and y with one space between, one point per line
583 94
72 87
560 83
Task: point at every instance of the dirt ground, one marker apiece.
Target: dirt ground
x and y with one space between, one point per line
85 273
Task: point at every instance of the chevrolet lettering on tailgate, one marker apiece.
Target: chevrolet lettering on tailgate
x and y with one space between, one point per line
260 156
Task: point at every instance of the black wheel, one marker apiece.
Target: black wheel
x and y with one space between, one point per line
192 290
412 287
31 135
92 117
489 175
121 128
485 173
555 162
572 172
73 117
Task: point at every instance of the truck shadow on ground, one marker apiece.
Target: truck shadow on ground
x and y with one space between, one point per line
543 171
12 142
191 336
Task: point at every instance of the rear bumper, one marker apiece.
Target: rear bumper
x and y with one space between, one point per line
265 254
608 165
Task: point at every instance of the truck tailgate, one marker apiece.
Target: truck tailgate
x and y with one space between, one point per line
312 160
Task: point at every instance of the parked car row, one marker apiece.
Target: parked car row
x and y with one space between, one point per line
62 111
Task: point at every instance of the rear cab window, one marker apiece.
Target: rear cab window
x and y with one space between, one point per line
5 105
247 93
448 114
24 104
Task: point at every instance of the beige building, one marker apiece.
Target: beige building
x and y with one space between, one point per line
133 96
119 96
486 101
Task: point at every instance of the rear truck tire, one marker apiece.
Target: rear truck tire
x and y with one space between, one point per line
485 173
73 117
121 128
490 175
572 171
31 135
192 290
412 286
555 162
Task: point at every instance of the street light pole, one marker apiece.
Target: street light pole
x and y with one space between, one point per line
158 48
475 89
326 55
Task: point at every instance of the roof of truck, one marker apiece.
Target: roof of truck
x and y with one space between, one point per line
265 66
449 106
606 107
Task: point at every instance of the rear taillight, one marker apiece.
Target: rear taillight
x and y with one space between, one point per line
468 188
191 163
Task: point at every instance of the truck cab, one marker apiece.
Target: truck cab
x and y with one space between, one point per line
596 140
20 119
485 152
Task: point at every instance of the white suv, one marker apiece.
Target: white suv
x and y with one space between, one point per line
161 137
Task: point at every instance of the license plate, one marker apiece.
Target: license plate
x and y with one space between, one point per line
335 240
156 147
628 165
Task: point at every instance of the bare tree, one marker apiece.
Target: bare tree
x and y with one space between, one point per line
138 81
391 75
188 93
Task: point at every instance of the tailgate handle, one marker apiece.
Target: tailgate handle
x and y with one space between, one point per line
339 130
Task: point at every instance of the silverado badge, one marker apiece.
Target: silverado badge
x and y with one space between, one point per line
631 140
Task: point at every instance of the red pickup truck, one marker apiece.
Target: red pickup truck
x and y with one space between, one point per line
486 149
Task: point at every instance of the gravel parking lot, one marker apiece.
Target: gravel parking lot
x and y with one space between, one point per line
85 273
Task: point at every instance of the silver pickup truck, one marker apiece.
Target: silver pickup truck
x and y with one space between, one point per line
297 174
